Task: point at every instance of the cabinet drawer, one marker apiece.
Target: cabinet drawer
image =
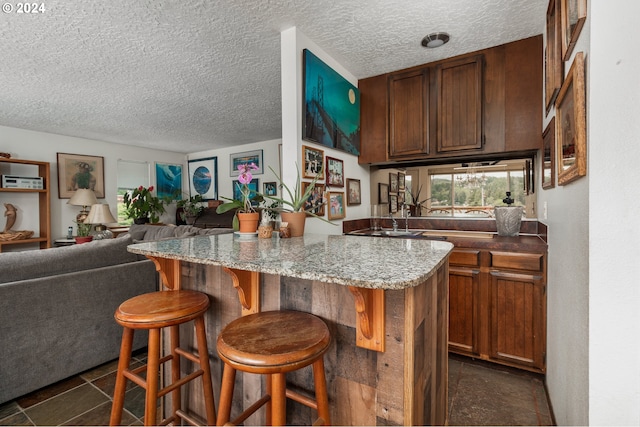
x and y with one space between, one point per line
517 261
469 257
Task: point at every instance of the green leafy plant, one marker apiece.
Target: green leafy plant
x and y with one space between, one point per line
297 199
141 203
84 229
248 198
190 206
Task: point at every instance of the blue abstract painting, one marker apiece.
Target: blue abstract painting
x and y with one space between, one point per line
331 107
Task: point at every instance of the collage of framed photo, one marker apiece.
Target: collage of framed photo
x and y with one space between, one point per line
564 144
395 191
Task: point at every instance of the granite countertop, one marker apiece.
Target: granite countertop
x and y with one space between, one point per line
375 262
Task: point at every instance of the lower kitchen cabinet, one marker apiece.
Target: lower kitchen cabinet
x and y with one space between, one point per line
497 306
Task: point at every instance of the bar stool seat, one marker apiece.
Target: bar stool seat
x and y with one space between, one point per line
154 311
274 343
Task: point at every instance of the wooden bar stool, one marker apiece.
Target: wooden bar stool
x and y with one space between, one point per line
154 311
274 343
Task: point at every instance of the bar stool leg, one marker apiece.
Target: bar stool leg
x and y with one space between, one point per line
153 366
279 400
226 394
121 380
269 411
207 384
176 397
322 398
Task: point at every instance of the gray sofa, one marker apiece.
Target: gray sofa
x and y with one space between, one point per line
57 306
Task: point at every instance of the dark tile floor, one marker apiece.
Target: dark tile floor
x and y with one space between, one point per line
479 394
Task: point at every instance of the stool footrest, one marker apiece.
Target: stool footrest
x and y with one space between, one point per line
180 382
300 398
188 355
251 409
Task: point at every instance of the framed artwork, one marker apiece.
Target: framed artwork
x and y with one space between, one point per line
393 183
383 193
270 188
553 66
315 203
571 141
393 203
79 171
169 180
313 161
401 180
401 198
203 178
331 115
335 172
253 185
548 155
336 205
238 159
572 15
354 194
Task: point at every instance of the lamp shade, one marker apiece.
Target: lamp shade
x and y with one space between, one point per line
83 197
100 214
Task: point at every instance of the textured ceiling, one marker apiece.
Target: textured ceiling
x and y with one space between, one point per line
193 75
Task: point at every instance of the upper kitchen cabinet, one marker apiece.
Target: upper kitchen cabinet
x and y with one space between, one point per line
409 114
478 105
459 107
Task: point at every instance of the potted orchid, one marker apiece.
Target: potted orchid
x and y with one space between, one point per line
246 218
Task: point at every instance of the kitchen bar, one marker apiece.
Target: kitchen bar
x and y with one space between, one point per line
385 301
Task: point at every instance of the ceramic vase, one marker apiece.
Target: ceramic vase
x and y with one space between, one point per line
508 219
248 222
296 222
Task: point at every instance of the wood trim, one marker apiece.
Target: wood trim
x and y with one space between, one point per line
370 312
247 283
169 271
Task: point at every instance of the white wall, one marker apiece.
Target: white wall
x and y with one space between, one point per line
614 267
292 44
40 146
593 368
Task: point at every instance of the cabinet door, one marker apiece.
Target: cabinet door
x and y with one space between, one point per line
374 117
517 321
459 84
409 114
463 310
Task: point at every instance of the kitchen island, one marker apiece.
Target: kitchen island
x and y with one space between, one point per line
385 302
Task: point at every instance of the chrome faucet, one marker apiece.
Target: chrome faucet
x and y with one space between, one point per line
393 222
405 212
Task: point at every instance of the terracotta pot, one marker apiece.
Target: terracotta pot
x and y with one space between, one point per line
83 239
296 222
248 222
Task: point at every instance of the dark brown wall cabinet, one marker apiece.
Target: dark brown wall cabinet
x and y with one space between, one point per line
476 105
460 105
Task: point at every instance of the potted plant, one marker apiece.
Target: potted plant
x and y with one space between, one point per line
191 208
246 217
292 210
83 233
142 206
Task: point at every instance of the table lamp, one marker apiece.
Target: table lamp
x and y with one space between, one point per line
83 197
99 215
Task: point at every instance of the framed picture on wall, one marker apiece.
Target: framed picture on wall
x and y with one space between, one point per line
573 14
203 178
571 141
393 182
169 180
549 155
401 181
270 188
383 193
254 185
329 95
337 208
80 171
335 172
246 157
313 161
393 203
553 54
354 194
315 203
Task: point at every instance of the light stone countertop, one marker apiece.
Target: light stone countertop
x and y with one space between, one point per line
365 262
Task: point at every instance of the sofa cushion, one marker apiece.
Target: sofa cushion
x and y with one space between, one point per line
16 266
146 233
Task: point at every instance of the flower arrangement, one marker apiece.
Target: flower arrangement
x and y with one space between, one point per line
141 203
248 196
